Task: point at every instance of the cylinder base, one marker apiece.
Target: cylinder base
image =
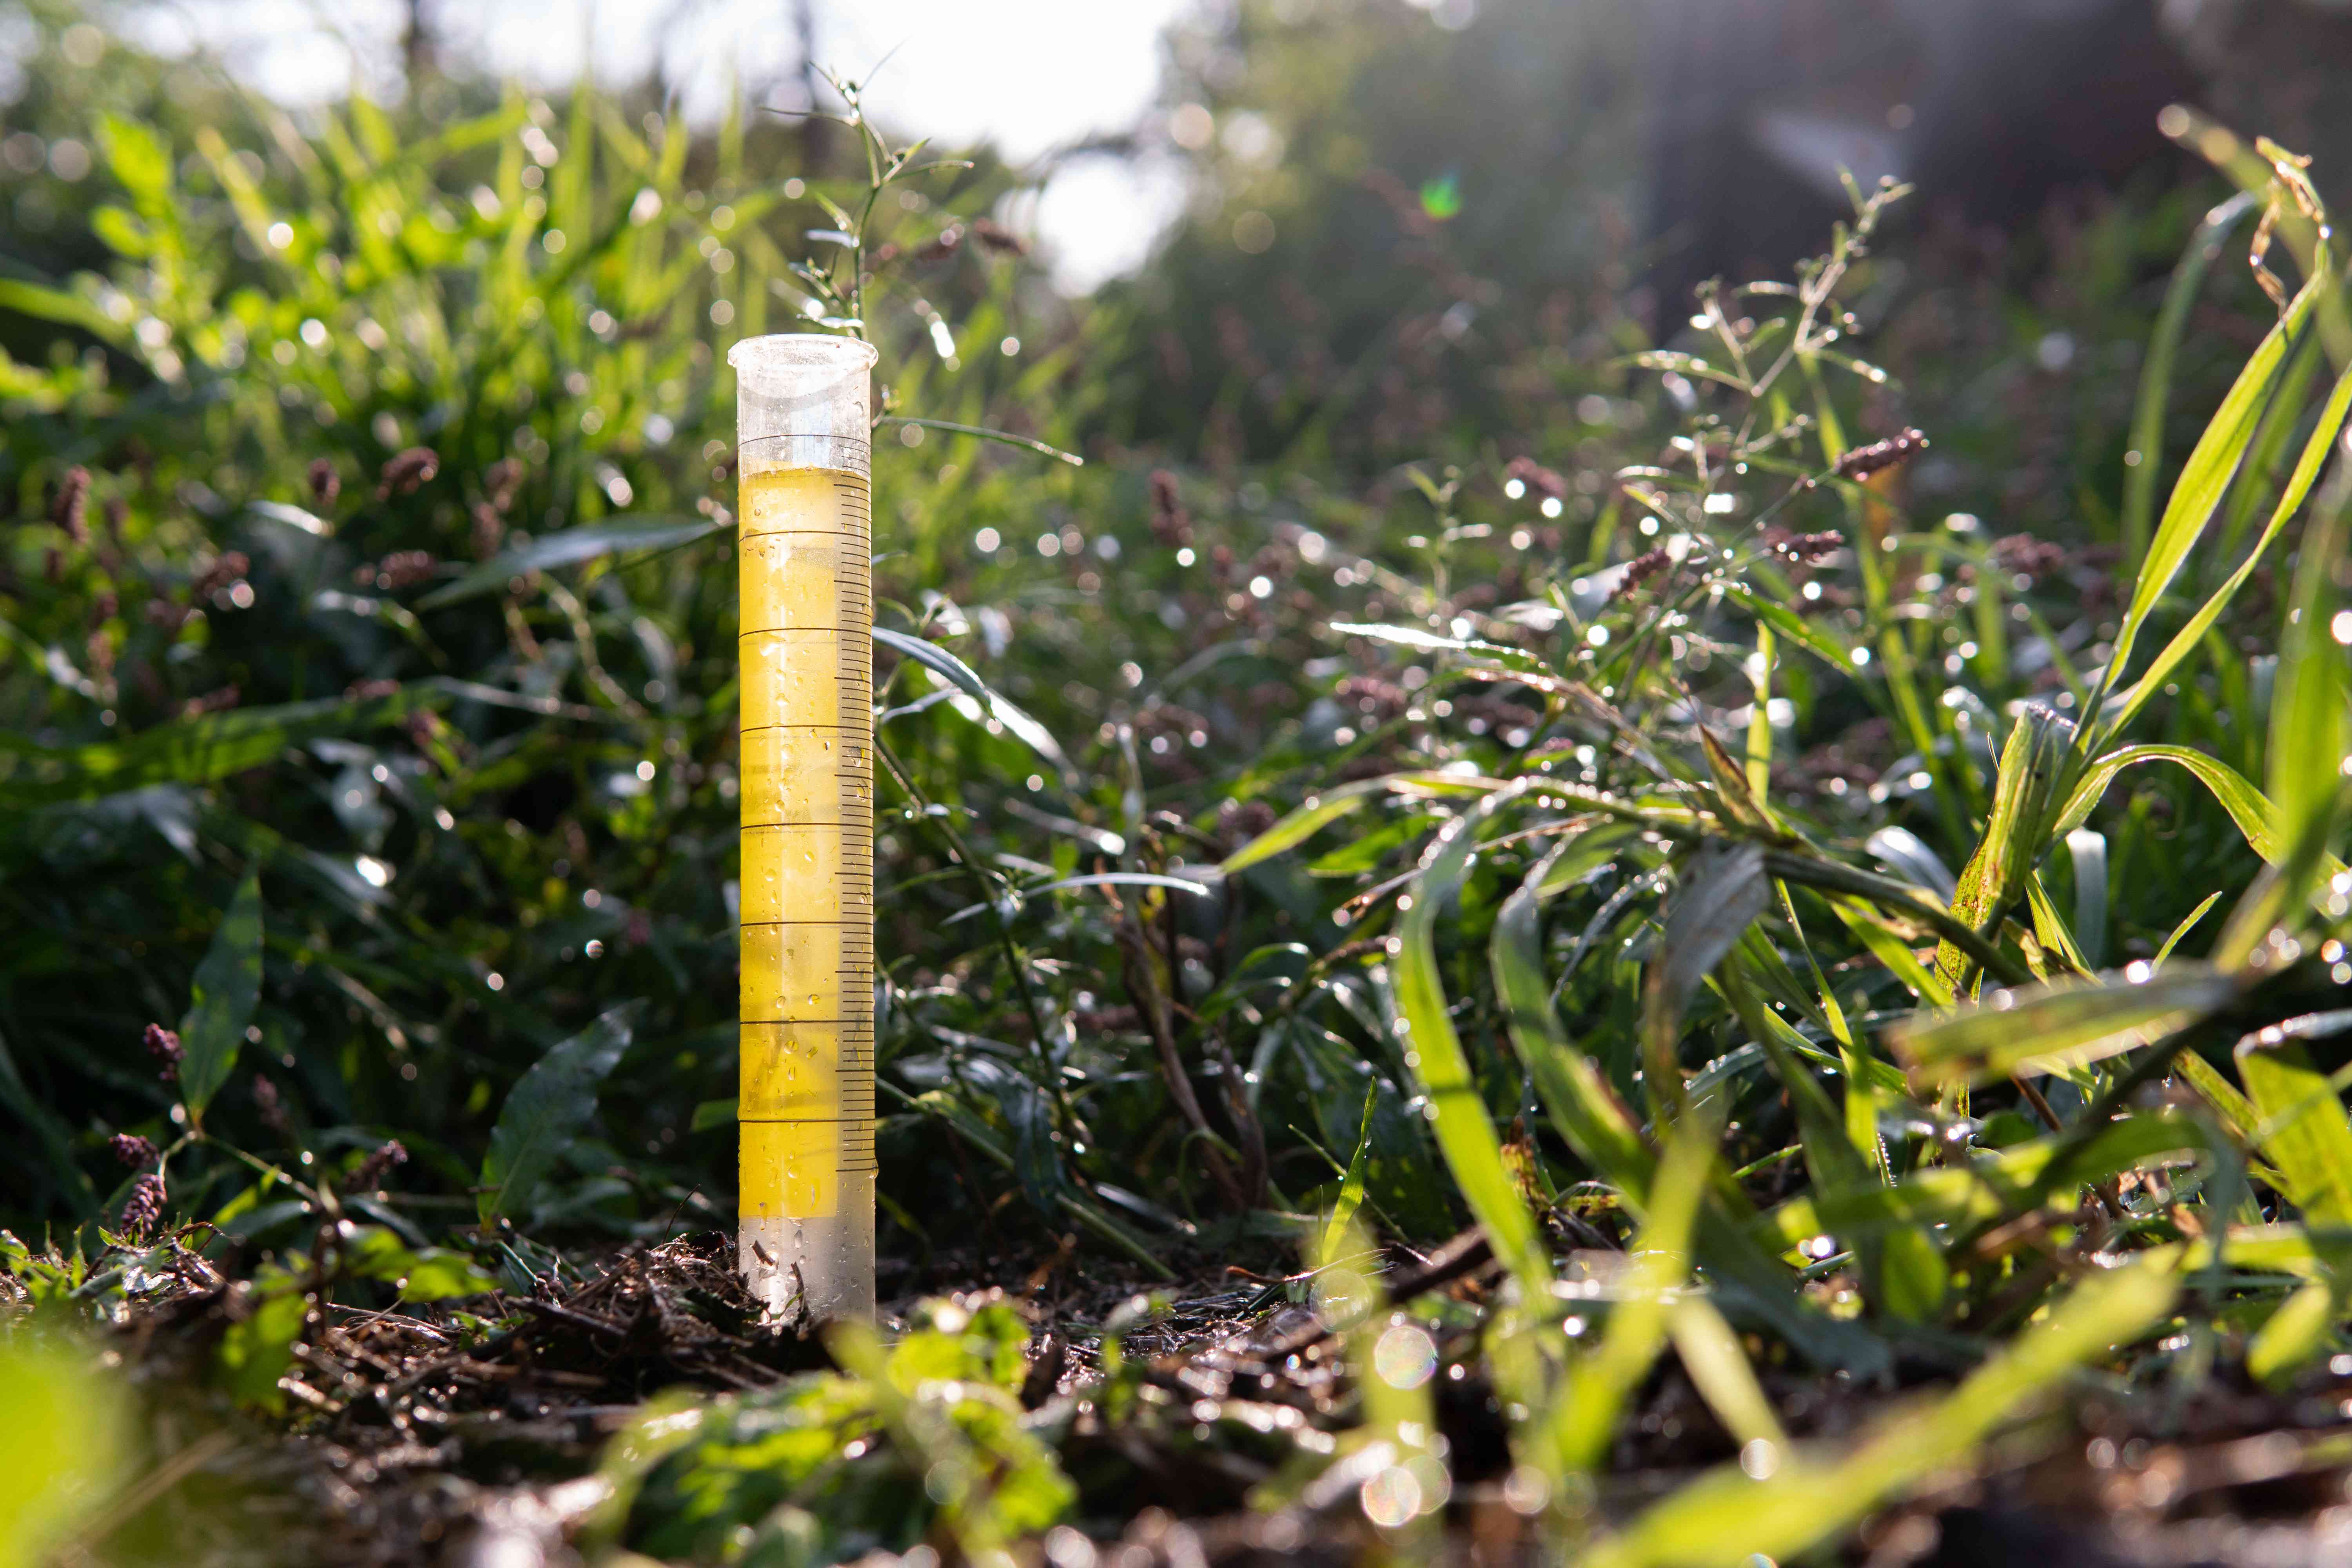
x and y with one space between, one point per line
810 1270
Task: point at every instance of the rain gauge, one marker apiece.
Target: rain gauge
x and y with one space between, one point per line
805 1117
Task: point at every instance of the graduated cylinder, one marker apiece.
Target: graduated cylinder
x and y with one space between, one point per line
805 1242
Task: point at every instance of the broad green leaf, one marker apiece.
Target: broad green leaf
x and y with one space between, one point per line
137 159
258 1349
552 1104
2303 1329
221 1001
193 751
569 547
2059 1025
65 1446
420 1274
992 1479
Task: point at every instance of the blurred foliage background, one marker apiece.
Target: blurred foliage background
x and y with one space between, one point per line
281 385
1405 629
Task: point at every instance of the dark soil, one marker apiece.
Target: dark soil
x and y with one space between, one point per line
412 1438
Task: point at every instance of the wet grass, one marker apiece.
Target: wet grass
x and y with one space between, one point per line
1662 1012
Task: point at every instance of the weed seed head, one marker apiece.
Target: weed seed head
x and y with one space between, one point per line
406 471
266 1103
143 1207
131 1148
163 1044
70 510
370 1173
1864 461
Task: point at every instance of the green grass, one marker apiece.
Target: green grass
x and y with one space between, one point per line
1741 872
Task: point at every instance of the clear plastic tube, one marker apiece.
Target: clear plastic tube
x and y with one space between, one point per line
805 1117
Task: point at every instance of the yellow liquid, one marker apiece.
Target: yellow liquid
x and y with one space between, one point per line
806 1112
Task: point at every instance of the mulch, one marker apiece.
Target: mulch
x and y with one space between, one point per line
415 1438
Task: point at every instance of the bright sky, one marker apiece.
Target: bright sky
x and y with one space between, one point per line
1032 75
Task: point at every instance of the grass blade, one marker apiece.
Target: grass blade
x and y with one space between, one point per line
1603 1132
932 657
1729 1518
1319 811
1575 1094
1597 1387
2156 377
2064 1023
2307 739
1352 1185
2205 479
1466 1133
569 547
2248 808
2298 487
1985 1192
2030 763
2309 1141
1721 1371
2307 1134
